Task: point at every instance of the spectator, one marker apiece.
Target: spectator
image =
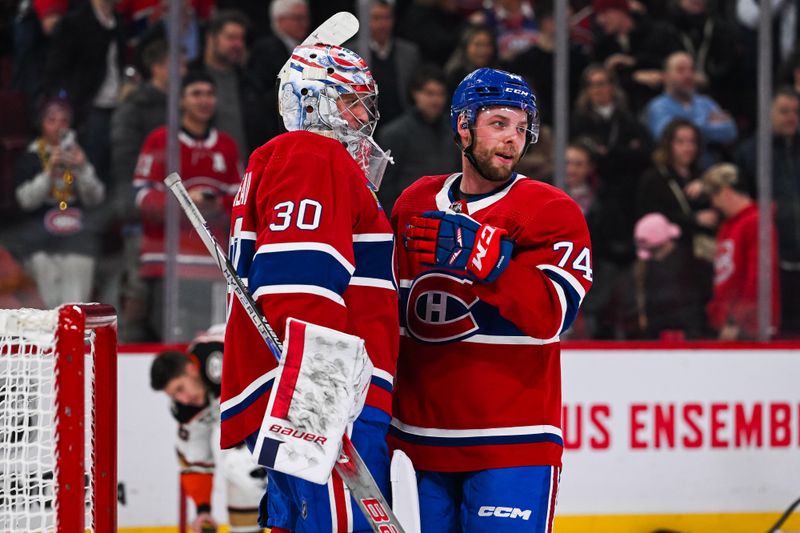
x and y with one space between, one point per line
393 61
664 270
711 41
194 17
85 63
140 113
290 26
535 63
786 26
608 310
623 148
733 309
634 47
434 26
57 187
514 24
476 49
680 100
210 168
421 140
580 180
33 27
242 108
671 187
786 192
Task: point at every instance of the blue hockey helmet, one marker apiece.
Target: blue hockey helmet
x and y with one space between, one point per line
491 87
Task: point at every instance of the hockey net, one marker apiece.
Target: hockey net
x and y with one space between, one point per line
58 419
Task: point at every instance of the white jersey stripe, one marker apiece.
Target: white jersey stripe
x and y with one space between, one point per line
484 432
298 289
373 237
372 282
258 382
501 339
568 277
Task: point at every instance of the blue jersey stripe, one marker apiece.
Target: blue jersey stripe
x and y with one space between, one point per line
373 259
475 441
247 401
298 267
382 383
572 296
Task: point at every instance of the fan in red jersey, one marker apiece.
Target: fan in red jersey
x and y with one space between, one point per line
492 270
210 164
312 243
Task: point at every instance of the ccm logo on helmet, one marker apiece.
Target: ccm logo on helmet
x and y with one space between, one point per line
504 512
517 91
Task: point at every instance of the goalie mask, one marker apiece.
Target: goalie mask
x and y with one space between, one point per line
329 90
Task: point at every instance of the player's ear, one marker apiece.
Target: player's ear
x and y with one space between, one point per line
464 132
192 368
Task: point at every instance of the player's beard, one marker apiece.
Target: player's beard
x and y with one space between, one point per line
489 168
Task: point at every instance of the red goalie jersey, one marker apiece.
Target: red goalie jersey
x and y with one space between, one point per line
479 375
311 242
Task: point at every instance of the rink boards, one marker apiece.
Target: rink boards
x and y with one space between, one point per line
691 437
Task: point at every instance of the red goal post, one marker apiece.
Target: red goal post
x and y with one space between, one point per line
58 425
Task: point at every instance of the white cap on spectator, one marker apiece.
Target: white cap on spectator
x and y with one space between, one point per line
652 231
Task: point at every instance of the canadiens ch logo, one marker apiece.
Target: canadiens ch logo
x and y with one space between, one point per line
439 308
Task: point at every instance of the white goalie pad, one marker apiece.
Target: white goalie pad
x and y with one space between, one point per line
405 497
320 388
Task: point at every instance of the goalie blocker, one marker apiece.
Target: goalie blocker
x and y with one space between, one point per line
319 390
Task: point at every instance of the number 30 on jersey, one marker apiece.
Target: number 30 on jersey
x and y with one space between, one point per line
305 217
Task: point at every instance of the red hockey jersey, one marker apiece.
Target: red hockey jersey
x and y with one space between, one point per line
735 297
210 164
479 375
311 241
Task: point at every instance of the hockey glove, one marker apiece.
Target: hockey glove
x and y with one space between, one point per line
458 242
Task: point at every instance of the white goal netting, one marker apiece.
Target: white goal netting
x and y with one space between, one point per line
29 422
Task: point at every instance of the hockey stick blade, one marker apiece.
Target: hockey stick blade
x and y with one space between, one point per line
350 467
336 30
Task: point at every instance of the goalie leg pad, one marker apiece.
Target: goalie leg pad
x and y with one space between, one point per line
302 507
320 388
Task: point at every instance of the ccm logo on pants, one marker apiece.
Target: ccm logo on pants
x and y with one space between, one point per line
504 512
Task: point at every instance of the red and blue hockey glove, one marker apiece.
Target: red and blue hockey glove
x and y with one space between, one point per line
458 242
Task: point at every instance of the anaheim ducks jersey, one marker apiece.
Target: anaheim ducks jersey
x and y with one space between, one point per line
195 443
479 381
311 242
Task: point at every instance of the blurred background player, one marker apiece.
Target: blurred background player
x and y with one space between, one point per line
493 270
192 380
313 243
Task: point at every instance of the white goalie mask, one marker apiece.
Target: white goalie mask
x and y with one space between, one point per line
329 90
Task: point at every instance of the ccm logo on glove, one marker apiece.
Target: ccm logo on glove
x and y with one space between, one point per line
458 242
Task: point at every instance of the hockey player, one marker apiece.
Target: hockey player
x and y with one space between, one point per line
212 171
192 380
492 271
312 242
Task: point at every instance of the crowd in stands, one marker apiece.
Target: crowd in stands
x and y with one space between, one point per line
661 158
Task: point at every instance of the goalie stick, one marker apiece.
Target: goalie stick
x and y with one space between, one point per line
350 466
336 30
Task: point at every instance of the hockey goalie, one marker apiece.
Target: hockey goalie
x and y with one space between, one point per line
315 249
